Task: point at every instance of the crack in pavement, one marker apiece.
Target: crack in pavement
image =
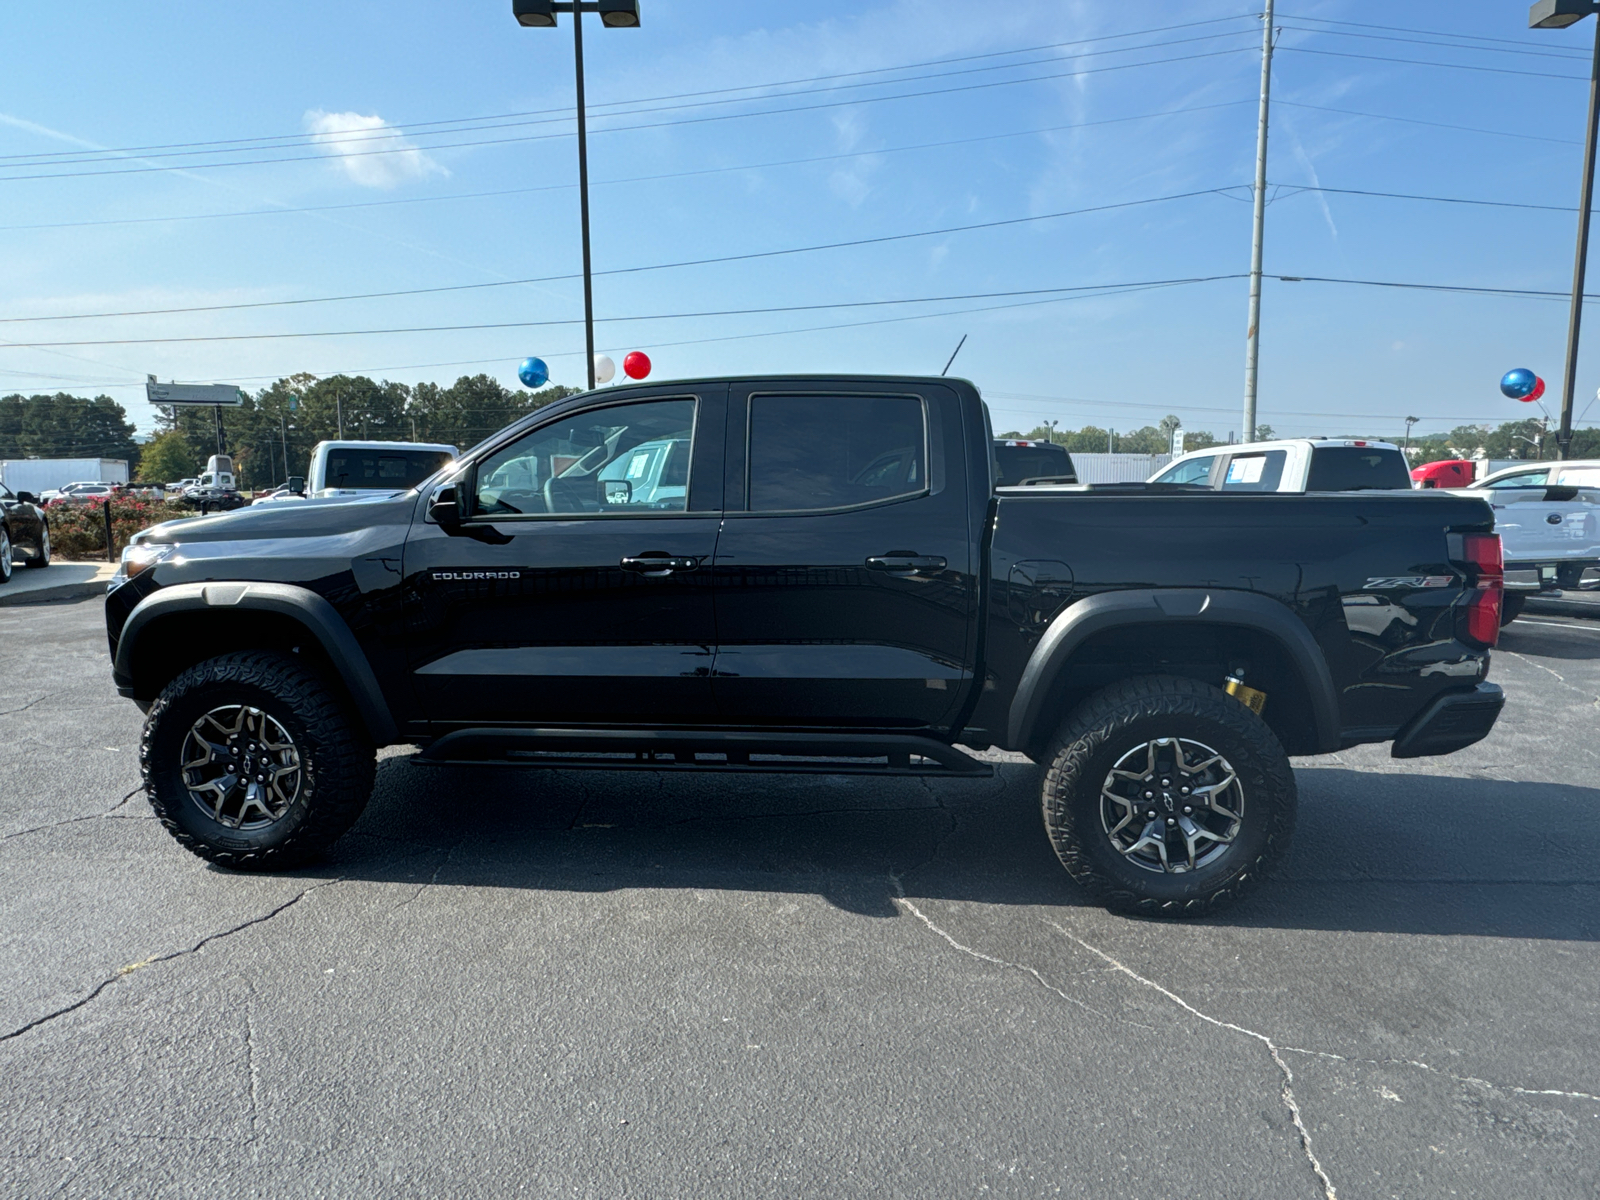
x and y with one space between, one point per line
251 1072
124 972
1328 1190
906 902
1422 1066
6 712
73 820
434 878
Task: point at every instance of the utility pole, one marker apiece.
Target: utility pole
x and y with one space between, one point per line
1252 351
338 404
583 195
283 428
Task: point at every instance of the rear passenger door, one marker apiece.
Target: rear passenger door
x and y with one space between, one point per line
843 582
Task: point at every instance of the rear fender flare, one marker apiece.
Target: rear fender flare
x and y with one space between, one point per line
320 619
1144 606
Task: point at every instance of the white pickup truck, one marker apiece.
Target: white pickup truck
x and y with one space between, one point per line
1548 518
351 469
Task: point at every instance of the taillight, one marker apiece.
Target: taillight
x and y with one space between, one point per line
1482 552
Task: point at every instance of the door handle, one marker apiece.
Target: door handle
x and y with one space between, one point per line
657 566
907 564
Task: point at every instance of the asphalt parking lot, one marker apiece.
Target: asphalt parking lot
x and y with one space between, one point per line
586 984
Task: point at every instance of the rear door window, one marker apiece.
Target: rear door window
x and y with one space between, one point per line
1357 469
808 453
1260 472
1194 470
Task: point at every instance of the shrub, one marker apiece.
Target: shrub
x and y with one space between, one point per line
79 530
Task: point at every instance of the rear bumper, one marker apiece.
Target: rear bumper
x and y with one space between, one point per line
1453 721
1546 576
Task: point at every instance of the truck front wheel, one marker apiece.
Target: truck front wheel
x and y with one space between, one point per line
1166 796
251 761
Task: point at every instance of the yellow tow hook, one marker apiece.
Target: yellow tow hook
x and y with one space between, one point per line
1248 696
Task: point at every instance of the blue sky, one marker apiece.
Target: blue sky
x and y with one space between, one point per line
1048 122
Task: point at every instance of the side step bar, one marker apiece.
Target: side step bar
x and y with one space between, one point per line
713 750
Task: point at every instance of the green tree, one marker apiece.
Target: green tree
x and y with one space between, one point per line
66 426
167 457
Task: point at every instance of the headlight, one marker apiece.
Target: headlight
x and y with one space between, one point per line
138 558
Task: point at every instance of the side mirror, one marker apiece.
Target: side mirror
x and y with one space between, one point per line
27 498
616 491
444 510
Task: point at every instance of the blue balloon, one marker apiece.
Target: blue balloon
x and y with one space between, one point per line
1514 385
533 373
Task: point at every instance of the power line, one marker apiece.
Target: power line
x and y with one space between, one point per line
321 140
1560 208
671 316
1462 289
1349 112
1422 62
499 283
1541 52
970 87
1472 37
414 128
554 187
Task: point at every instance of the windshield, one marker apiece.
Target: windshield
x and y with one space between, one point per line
1357 469
390 470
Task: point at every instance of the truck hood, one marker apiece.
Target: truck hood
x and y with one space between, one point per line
304 519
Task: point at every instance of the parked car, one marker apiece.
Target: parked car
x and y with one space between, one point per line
1293 465
293 489
1548 515
140 490
24 532
839 587
98 491
181 486
1021 461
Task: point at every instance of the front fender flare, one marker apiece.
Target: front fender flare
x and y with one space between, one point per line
300 604
1144 606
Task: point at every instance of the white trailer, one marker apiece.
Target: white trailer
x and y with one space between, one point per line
40 475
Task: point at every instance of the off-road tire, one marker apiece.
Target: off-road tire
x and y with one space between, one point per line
1106 726
6 564
338 760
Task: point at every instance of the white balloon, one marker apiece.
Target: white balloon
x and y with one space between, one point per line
604 369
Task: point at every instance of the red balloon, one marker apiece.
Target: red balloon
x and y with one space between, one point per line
637 364
1538 390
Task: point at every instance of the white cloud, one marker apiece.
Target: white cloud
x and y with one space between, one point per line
354 140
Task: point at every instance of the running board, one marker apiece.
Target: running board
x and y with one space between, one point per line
681 750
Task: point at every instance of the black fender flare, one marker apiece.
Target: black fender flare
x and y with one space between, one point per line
299 604
1143 606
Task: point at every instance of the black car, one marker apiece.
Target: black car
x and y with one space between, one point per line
806 574
24 532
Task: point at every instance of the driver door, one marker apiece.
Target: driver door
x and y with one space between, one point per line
579 591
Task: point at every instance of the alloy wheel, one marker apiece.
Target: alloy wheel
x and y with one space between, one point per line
1171 805
241 767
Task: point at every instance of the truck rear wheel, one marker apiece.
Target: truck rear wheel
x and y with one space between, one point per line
1166 796
251 761
1511 605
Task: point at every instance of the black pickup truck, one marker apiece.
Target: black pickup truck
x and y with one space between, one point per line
806 574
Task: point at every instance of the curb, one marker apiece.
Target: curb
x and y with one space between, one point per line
77 590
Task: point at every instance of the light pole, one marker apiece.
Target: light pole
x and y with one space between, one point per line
614 14
1410 421
1558 14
